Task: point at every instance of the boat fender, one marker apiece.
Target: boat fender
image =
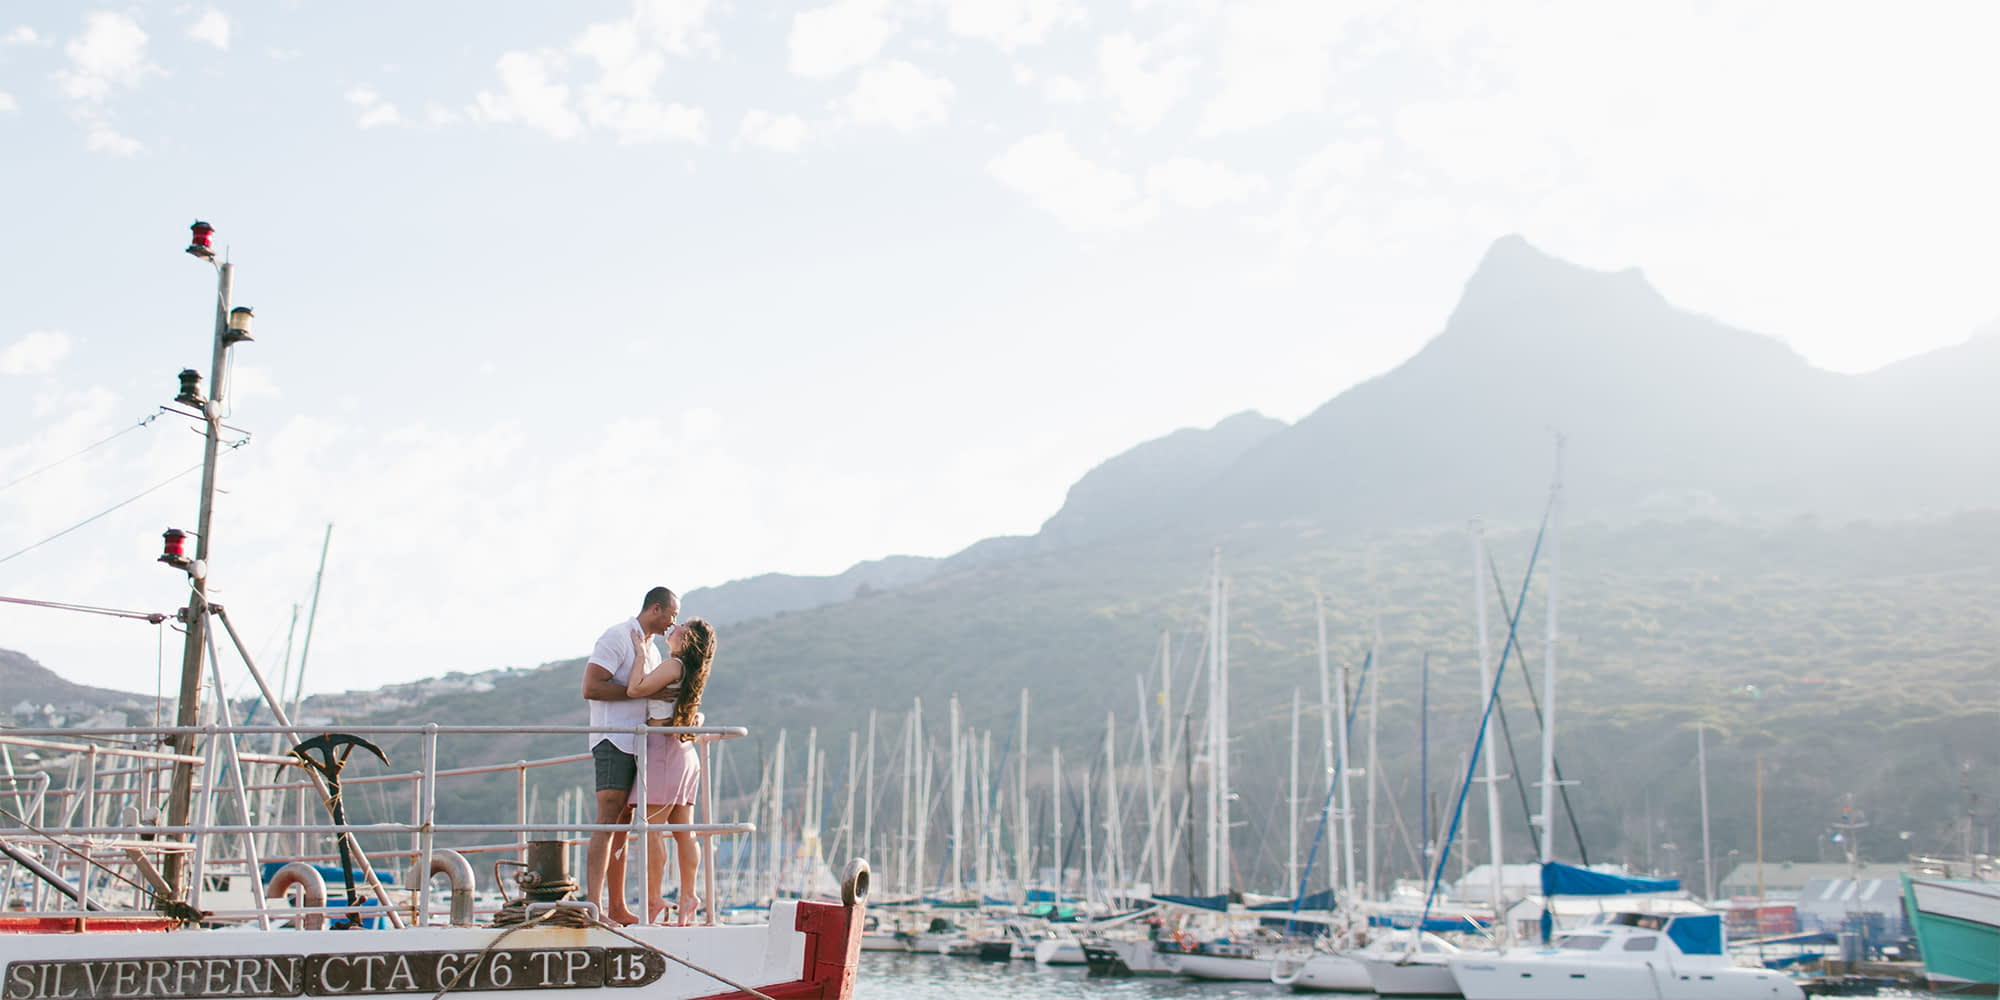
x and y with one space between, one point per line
453 866
312 890
854 882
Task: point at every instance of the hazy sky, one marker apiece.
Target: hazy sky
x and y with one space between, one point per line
559 301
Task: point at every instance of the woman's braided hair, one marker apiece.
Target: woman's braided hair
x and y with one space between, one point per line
695 657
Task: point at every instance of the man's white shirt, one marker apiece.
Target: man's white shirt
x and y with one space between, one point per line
614 720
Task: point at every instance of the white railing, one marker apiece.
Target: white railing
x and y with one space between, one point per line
51 813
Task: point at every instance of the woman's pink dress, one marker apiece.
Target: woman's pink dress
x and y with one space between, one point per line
673 772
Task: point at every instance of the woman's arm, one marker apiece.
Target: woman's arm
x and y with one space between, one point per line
667 674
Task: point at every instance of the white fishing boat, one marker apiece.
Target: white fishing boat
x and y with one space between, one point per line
167 863
1625 956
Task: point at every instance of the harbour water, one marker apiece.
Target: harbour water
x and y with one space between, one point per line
893 976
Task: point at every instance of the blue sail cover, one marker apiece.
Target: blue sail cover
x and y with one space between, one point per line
1218 903
1436 925
1321 900
1697 934
1568 880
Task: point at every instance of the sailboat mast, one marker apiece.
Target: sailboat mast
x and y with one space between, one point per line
957 872
1215 722
1021 831
1707 854
1292 799
1492 778
1374 746
1343 772
1549 665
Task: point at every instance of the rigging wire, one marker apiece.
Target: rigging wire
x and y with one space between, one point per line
143 421
155 617
150 489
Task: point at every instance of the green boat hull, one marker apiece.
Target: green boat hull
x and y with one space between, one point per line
1957 924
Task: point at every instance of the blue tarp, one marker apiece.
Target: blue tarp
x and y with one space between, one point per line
1568 880
1321 900
331 875
1436 925
1218 903
1698 934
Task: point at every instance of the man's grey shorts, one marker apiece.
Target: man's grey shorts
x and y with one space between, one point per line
616 769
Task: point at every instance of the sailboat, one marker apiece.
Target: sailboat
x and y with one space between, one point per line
143 895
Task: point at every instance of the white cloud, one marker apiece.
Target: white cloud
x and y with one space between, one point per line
104 139
838 37
1145 79
630 55
531 97
7 102
22 35
374 110
900 96
438 114
1055 88
35 354
212 27
1081 194
1011 23
1276 60
1200 184
674 25
779 133
110 53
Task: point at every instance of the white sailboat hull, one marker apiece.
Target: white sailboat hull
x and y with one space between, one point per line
1418 977
1528 975
1322 972
1059 951
1223 967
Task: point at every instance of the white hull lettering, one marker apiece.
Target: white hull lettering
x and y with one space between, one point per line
230 977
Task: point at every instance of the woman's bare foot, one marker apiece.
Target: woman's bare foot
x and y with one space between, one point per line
656 911
690 905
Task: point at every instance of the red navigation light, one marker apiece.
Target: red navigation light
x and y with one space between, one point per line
199 246
174 553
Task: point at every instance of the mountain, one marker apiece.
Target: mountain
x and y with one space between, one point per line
24 680
1148 485
1799 562
1657 405
778 593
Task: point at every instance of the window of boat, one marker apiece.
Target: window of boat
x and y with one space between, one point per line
1647 943
1581 942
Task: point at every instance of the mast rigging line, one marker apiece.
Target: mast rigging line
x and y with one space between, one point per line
143 421
1479 738
141 494
154 617
1535 702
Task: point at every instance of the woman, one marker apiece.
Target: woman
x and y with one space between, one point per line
673 767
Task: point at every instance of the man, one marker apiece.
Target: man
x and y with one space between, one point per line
613 716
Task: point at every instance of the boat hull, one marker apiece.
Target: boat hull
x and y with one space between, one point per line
1415 978
808 951
1223 967
1957 925
1321 972
1491 978
1059 951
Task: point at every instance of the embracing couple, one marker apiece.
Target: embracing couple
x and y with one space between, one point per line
627 683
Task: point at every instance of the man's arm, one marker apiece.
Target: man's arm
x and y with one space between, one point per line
598 685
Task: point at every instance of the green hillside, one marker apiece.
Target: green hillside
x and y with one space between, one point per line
1857 658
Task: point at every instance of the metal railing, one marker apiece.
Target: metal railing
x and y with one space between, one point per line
145 762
